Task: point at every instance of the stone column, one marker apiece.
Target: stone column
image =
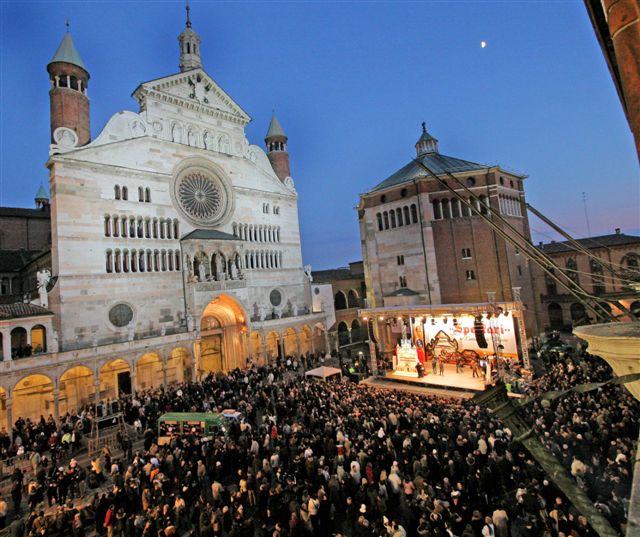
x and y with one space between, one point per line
9 405
327 345
263 344
298 336
56 402
164 372
6 345
134 382
312 344
281 344
349 334
96 384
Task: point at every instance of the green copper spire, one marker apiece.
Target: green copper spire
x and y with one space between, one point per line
67 52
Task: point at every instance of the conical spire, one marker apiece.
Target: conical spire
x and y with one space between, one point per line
189 46
42 193
275 129
67 52
426 143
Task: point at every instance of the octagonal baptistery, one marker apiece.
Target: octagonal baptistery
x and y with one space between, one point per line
168 209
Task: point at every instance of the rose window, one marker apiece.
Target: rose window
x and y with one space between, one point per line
200 196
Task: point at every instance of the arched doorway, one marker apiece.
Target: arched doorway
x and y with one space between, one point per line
33 397
149 371
222 325
352 299
356 331
39 339
305 340
290 342
115 379
273 347
19 348
179 366
556 322
578 314
340 301
255 345
343 334
77 388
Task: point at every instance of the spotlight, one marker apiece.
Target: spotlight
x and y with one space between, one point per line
433 322
445 320
382 318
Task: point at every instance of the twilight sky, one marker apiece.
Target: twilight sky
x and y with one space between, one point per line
351 82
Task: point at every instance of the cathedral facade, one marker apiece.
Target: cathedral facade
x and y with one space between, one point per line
175 243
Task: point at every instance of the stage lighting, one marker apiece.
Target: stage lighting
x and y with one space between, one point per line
433 322
445 320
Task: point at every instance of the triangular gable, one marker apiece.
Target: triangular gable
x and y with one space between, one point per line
193 89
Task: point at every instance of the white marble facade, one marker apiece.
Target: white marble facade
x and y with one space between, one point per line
205 215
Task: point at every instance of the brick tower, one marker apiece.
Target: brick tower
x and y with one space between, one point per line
68 95
276 141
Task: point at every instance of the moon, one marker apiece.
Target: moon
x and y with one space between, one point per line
483 44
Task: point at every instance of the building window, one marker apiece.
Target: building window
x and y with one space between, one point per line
379 217
400 260
466 253
399 216
414 214
117 193
177 258
403 281
471 275
147 195
125 193
109 261
519 270
383 199
437 212
407 220
392 217
446 213
176 234
572 270
471 181
386 220
140 193
107 226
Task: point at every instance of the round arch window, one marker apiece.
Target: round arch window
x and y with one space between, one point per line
471 181
120 315
275 297
317 290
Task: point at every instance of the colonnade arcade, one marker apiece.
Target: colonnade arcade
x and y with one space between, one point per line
57 391
226 339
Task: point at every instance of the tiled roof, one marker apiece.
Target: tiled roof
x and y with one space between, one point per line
436 162
209 234
332 275
20 309
603 241
275 129
403 291
31 213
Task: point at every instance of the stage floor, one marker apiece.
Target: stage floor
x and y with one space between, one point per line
450 380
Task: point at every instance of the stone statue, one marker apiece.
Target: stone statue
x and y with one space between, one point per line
294 310
131 331
263 313
307 273
201 272
234 271
190 323
163 330
43 276
220 267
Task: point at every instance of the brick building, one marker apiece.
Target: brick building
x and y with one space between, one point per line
349 293
25 247
559 310
422 245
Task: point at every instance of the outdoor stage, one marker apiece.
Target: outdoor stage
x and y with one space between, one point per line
462 382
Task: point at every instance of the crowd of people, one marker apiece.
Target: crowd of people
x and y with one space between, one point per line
339 458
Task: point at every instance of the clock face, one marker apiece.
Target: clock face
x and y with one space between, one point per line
202 196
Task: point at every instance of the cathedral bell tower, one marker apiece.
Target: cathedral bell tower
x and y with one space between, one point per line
189 47
276 141
68 95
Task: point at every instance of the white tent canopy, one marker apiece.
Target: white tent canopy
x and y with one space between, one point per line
323 372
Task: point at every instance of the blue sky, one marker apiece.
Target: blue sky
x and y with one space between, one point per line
351 82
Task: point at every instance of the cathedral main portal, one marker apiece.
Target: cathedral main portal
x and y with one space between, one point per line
222 343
